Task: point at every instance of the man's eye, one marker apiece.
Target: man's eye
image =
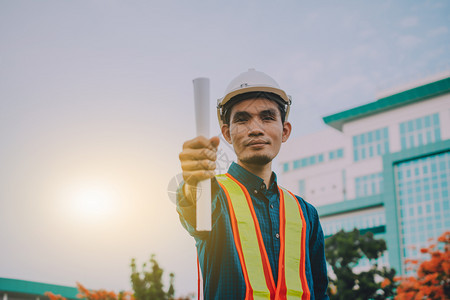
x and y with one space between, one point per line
240 120
268 118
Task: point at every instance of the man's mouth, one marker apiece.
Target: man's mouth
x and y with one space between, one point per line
257 142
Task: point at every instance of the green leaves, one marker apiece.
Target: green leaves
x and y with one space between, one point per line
343 250
147 284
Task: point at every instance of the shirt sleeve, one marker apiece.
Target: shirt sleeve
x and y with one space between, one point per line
187 210
317 256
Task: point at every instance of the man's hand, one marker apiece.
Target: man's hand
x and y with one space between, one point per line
198 162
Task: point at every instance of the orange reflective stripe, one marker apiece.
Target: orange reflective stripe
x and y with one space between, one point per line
281 284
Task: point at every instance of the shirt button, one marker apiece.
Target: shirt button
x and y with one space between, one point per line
271 205
255 191
277 235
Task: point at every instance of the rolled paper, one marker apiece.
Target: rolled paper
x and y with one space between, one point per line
201 99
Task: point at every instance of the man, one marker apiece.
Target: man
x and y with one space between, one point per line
265 242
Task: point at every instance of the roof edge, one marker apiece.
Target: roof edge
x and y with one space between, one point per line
36 288
416 94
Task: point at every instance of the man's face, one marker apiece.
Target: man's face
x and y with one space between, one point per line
256 131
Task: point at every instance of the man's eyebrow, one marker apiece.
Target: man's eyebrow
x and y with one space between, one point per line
241 114
268 112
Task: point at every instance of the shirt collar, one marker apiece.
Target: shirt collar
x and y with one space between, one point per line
248 179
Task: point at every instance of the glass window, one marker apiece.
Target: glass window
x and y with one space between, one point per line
320 158
331 155
368 185
420 131
304 162
377 135
410 125
424 207
427 121
419 123
435 119
371 143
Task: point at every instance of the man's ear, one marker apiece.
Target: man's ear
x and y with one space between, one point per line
287 128
226 133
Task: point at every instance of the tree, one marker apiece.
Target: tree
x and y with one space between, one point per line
148 284
433 275
343 250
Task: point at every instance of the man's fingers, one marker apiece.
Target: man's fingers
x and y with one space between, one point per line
198 159
197 143
198 165
202 142
197 154
193 177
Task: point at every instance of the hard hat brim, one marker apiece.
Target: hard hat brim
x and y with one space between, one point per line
230 95
276 91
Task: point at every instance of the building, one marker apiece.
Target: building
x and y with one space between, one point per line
383 167
15 289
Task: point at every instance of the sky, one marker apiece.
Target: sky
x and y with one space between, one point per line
96 100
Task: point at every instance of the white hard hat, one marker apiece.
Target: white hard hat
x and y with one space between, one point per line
252 81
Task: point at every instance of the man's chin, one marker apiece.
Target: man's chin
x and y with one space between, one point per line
257 160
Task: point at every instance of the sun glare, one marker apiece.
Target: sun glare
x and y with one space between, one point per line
94 201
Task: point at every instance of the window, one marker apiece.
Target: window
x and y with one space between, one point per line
320 158
423 209
368 185
308 161
285 167
370 144
419 132
339 153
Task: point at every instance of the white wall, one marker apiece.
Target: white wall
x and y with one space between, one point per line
323 181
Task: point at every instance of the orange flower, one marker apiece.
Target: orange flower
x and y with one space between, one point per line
385 283
53 296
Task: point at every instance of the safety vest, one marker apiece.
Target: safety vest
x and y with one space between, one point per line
252 253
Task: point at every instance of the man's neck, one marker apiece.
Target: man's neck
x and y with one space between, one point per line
262 171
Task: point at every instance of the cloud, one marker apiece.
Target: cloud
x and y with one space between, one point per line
409 22
438 31
408 41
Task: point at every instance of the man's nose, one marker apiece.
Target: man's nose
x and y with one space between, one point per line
255 127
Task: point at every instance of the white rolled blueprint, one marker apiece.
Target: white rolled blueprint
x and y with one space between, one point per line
201 98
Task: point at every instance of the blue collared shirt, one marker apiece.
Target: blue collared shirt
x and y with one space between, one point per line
218 257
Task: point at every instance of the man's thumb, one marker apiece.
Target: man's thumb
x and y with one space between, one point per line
214 141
